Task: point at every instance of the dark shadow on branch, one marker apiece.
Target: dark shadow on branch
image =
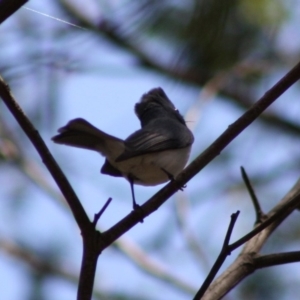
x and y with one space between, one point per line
276 259
9 7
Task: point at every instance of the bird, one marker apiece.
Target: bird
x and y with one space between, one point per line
154 154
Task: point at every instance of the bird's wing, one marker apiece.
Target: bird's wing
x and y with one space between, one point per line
146 141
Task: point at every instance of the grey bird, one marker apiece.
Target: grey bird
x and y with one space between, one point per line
152 155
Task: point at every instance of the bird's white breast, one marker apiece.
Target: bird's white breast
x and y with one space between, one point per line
152 169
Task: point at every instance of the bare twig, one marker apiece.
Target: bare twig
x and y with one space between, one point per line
99 214
220 260
270 218
259 213
264 261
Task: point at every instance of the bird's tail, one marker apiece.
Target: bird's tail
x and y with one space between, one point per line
82 134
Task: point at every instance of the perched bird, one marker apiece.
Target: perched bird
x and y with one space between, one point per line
151 155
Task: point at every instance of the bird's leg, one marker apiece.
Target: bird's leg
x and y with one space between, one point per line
131 181
172 178
136 207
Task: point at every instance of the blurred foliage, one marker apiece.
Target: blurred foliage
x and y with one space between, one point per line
210 35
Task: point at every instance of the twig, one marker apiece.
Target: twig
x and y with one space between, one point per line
99 214
278 215
259 213
220 260
9 7
268 260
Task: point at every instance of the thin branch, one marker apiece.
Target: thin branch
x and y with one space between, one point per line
220 260
9 7
264 261
259 213
280 214
244 101
203 159
99 214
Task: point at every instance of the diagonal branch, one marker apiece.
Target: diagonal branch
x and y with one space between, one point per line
259 213
274 217
98 215
203 159
264 261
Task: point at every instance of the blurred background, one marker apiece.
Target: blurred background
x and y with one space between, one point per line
94 59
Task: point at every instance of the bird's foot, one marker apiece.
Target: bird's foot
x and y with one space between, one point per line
172 178
138 209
